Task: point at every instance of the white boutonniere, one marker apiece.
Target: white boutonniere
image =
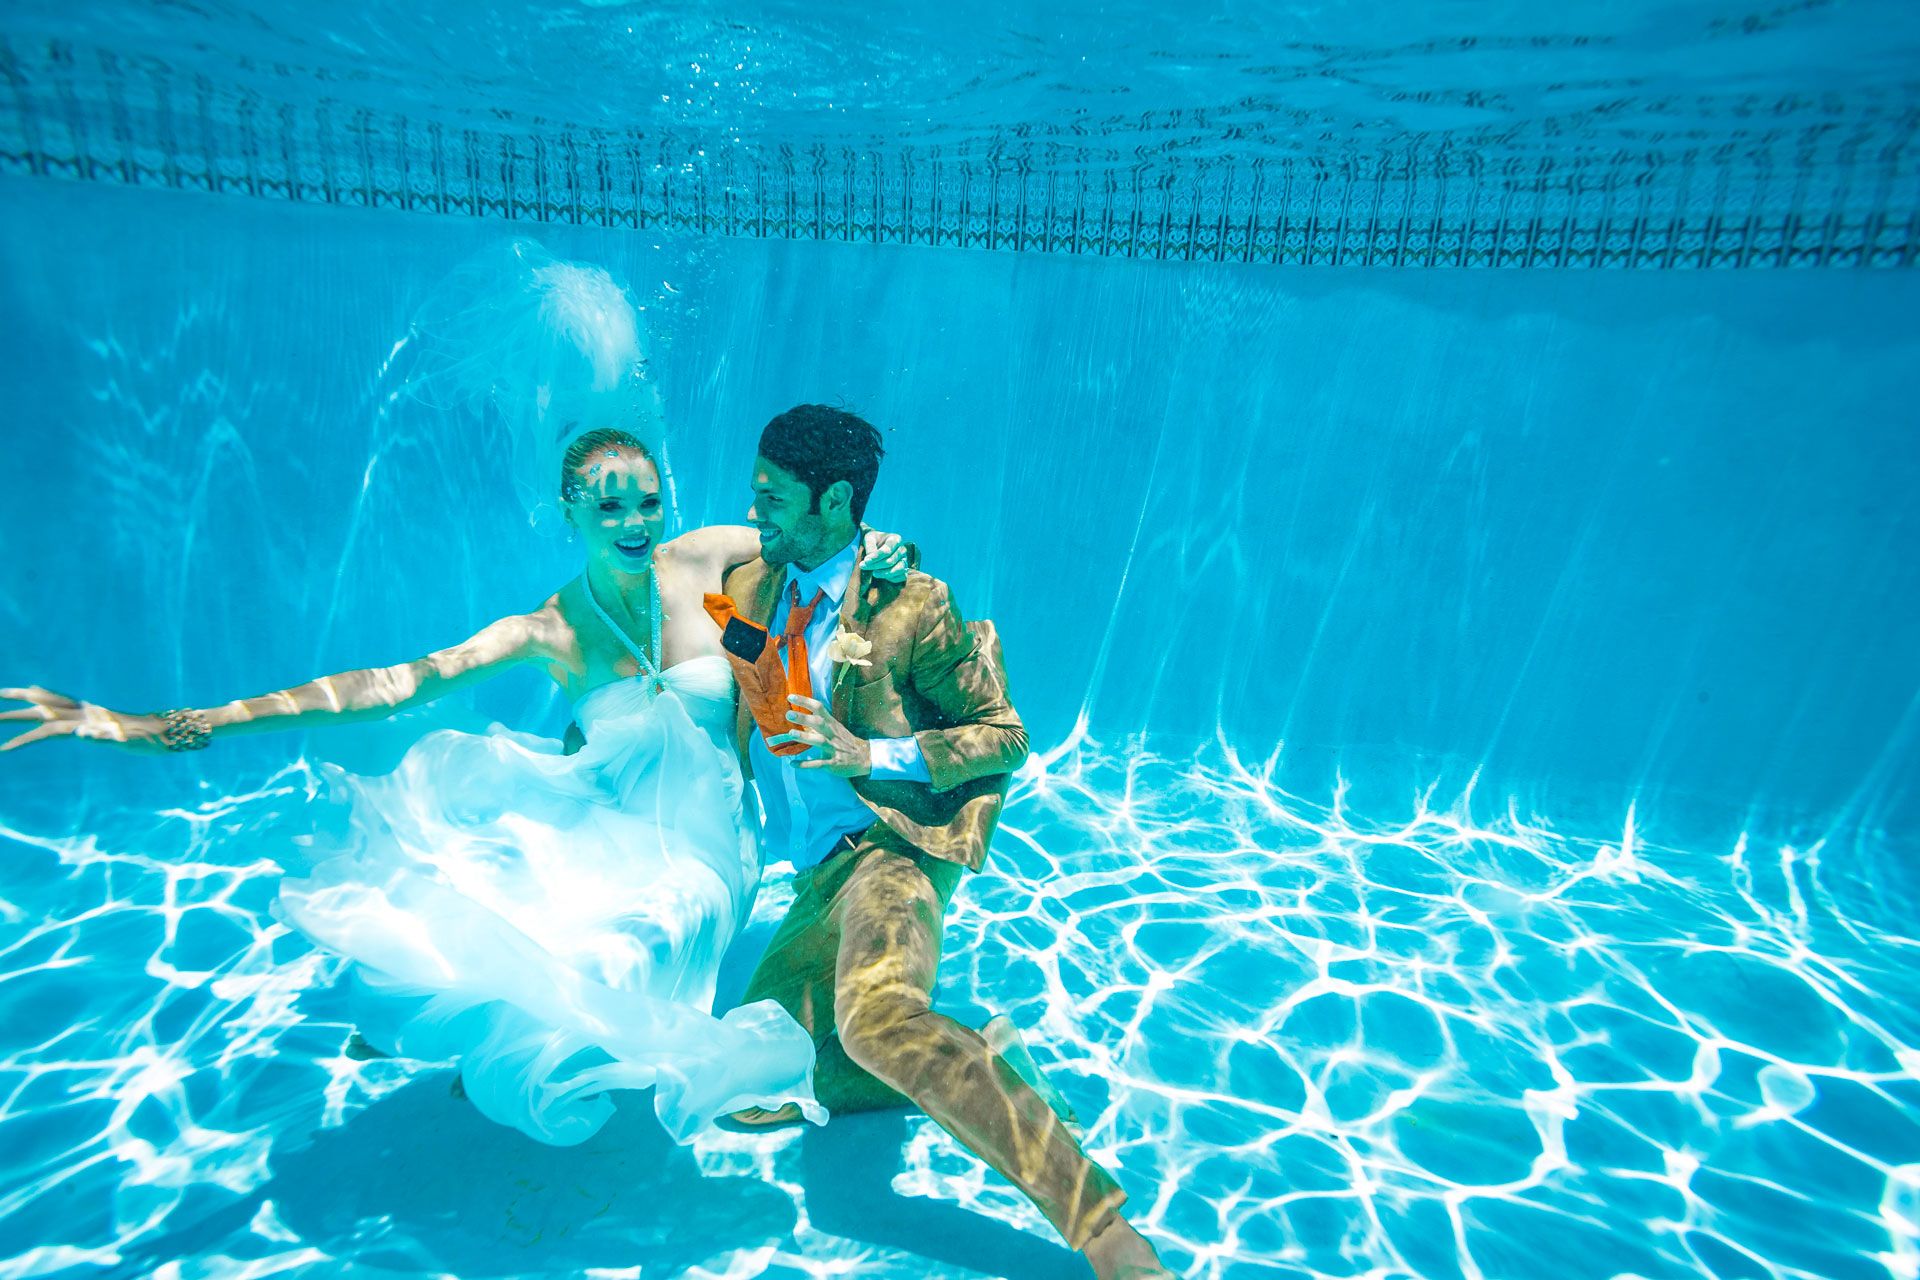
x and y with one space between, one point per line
850 648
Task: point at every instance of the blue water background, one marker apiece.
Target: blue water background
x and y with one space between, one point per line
1622 536
1474 826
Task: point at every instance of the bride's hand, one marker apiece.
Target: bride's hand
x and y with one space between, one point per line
62 717
886 557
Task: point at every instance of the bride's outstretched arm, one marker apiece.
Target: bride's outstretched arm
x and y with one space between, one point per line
368 694
882 554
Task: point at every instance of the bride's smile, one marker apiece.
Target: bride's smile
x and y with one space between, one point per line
614 503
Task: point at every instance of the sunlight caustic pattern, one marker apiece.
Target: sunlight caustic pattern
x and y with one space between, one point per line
1314 1042
1434 1047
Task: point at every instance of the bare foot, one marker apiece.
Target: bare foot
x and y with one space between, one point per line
1118 1252
761 1118
360 1049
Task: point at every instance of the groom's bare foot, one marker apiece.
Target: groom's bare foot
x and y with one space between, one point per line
1118 1252
360 1049
763 1118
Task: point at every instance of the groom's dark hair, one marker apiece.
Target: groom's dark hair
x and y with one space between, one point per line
821 444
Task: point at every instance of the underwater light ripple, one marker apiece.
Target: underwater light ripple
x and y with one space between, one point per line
1300 1032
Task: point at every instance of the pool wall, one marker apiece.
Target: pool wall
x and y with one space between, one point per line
1602 538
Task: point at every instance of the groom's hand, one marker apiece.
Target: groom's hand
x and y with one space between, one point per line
835 747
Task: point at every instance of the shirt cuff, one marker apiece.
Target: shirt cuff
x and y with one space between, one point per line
898 760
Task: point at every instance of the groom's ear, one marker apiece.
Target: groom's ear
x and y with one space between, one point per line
837 496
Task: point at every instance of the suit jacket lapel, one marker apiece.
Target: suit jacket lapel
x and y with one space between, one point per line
854 613
762 591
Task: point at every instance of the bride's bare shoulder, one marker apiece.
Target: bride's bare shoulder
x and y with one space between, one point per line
702 556
714 548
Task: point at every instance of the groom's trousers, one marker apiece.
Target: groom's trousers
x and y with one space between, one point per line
854 962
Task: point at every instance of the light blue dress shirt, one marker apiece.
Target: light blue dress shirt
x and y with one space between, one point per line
807 811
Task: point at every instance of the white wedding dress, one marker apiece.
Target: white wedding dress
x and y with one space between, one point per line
554 922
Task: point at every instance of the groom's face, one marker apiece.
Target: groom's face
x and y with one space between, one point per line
785 516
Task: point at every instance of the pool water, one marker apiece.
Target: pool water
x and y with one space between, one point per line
1472 825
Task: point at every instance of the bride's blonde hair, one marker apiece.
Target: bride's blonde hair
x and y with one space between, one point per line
585 445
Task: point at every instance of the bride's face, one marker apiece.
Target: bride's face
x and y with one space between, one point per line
617 509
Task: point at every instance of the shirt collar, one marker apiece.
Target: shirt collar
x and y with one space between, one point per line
833 577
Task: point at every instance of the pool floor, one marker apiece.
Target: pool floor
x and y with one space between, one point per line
1311 1042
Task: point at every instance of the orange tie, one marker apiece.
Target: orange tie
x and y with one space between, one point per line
793 639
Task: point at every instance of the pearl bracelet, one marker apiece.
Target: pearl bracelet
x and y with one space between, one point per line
185 730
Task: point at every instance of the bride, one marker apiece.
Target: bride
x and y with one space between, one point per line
552 920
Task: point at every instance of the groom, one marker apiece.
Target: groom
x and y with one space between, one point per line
883 791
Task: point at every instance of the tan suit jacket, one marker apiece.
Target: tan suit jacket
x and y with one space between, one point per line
933 675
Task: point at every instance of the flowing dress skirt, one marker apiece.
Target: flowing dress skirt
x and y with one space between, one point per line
554 923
